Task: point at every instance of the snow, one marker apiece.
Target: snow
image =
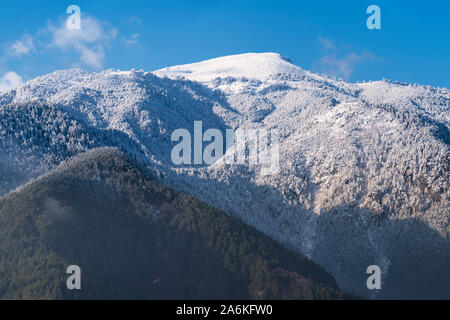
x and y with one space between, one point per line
355 158
250 65
120 73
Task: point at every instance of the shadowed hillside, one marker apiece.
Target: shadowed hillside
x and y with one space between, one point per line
134 238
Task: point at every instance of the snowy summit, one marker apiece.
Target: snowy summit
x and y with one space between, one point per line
249 65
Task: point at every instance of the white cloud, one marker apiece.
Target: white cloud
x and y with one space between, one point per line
326 44
21 47
338 61
10 81
345 65
92 57
89 45
134 19
133 40
89 42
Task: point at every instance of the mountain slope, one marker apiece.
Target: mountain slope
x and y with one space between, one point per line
135 238
364 168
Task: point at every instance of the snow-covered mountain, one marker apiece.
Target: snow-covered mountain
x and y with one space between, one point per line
251 65
364 167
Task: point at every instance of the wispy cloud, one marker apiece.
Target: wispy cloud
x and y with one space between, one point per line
345 65
326 44
339 61
21 47
132 40
10 81
89 42
135 19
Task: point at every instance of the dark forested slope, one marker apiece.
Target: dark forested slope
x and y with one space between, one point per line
134 238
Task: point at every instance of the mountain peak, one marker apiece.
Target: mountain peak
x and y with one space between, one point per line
249 65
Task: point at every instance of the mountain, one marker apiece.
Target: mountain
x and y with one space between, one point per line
251 65
134 238
363 173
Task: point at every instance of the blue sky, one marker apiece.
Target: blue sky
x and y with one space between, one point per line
322 36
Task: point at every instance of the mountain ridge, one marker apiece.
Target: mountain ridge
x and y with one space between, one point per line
362 157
